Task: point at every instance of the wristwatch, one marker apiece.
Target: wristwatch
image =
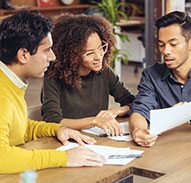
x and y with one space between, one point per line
67 2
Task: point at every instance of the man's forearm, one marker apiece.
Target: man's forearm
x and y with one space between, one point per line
137 121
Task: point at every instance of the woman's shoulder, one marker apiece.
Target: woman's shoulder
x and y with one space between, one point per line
52 80
108 70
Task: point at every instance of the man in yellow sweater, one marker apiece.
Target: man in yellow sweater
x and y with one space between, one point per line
25 51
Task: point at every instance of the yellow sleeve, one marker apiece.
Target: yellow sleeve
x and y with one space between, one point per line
38 129
14 159
13 127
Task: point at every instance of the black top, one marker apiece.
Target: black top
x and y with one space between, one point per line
62 101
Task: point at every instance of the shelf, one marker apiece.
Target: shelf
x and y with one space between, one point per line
133 21
49 11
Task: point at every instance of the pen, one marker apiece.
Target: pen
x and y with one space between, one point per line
125 156
105 135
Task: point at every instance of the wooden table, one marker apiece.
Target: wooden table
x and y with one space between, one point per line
169 160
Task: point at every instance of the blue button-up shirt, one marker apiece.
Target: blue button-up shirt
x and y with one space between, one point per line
159 89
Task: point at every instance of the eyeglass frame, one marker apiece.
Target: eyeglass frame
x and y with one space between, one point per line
97 51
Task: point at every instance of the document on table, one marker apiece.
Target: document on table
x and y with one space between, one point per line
125 128
162 120
121 154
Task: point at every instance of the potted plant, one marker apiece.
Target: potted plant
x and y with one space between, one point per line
112 10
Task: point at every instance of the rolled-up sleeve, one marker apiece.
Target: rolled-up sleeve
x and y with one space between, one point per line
146 99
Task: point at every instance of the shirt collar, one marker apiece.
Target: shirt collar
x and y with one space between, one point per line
13 77
168 73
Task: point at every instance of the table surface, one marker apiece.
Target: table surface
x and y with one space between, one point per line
169 157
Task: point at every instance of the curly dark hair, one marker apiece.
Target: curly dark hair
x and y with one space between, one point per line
70 35
25 29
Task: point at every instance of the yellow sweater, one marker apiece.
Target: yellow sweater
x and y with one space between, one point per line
16 129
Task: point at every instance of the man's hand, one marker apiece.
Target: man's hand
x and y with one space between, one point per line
64 134
82 156
143 138
108 124
180 103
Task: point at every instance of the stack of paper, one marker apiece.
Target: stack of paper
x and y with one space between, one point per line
125 128
113 155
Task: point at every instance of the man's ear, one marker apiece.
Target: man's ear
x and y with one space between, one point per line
23 55
189 45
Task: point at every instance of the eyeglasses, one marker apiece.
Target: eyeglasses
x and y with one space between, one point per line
90 55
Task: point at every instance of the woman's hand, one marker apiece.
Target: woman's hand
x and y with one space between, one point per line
108 124
111 113
114 112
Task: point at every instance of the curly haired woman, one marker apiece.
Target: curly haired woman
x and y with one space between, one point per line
77 85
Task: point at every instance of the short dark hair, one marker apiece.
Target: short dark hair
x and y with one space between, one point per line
70 35
25 29
176 17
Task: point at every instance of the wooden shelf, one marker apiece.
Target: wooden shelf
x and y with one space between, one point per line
50 11
133 21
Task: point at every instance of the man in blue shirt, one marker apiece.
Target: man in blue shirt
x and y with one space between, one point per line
164 84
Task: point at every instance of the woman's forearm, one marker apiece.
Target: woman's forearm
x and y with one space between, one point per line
121 111
78 124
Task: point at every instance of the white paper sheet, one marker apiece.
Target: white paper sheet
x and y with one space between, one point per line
162 120
125 129
107 151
